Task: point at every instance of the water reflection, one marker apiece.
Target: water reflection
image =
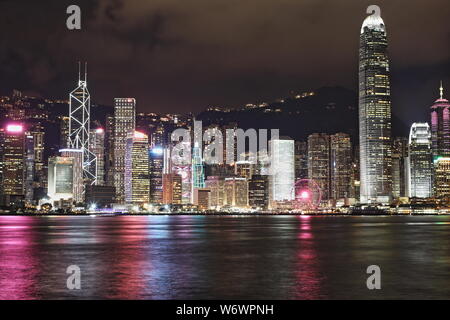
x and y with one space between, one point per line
213 257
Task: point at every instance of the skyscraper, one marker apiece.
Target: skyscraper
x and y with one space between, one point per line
440 126
236 192
282 169
13 156
420 161
79 126
258 191
399 170
156 167
301 160
442 177
137 182
97 147
78 186
340 166
124 124
319 163
374 112
60 178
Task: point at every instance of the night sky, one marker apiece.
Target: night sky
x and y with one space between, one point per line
186 55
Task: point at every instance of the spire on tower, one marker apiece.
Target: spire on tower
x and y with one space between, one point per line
441 91
79 71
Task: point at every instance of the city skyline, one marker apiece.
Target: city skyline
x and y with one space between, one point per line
294 65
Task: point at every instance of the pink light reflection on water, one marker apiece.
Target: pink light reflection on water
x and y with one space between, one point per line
309 279
18 262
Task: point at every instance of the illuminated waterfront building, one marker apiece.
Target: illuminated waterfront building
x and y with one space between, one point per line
29 167
442 177
399 167
61 178
124 124
216 186
156 166
109 151
282 167
420 161
201 198
301 160
171 182
137 182
97 147
258 192
13 168
79 127
64 132
236 192
244 168
340 166
374 112
78 186
440 126
171 188
319 164
198 174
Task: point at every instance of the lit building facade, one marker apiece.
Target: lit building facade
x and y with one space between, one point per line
442 177
258 192
420 161
374 112
440 126
156 167
60 178
124 124
216 186
137 182
399 167
340 166
78 186
97 147
13 169
301 160
282 169
236 192
319 164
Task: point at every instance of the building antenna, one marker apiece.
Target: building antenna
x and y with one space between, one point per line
79 71
85 72
441 91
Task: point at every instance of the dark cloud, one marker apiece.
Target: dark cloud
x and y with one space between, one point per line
180 56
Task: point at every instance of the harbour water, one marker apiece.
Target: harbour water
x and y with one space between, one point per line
225 257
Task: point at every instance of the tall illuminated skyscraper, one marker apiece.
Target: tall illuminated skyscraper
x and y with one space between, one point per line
374 112
282 169
340 165
156 167
97 147
137 182
13 171
79 126
440 126
399 170
124 124
198 175
420 161
442 177
319 163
